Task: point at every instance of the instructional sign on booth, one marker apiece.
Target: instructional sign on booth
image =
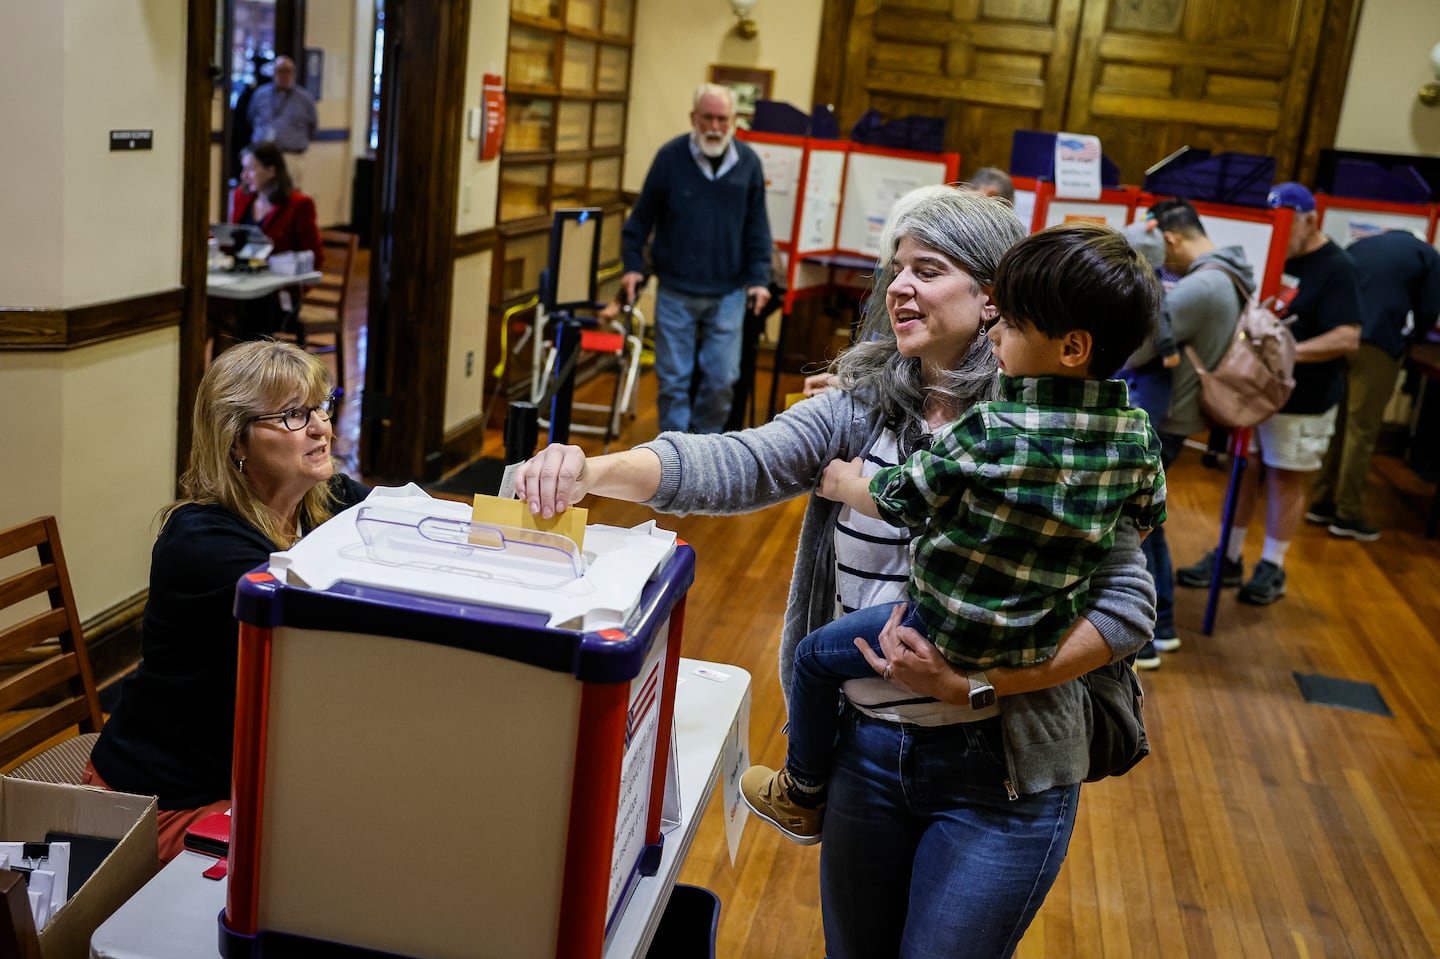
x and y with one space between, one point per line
1077 166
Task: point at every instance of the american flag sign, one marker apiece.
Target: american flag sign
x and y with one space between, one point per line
1075 149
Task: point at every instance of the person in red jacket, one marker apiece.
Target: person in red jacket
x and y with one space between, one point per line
267 198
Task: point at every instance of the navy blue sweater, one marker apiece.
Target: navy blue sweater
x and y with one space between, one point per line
711 236
1398 274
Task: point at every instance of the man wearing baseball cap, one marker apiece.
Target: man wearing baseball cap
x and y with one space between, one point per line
1321 290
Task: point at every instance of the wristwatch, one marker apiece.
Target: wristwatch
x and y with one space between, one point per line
982 694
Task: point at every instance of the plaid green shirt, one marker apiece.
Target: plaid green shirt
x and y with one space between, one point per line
1013 507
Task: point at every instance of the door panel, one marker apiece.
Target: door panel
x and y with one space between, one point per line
1151 77
1146 76
987 66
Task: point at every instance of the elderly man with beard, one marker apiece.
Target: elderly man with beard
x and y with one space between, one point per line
704 203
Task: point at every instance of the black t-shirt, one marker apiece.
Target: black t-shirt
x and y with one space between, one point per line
1328 297
172 733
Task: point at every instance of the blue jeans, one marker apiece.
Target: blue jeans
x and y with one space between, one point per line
691 330
823 661
1157 552
1150 388
924 855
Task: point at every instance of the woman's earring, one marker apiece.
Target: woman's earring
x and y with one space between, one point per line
241 464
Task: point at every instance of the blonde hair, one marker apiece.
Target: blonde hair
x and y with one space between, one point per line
248 380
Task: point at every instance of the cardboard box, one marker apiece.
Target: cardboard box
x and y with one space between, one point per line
28 810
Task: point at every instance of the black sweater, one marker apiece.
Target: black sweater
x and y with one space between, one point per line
172 733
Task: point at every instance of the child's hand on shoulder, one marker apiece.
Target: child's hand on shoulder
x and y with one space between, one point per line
838 476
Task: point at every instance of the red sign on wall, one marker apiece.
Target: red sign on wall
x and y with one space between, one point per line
492 108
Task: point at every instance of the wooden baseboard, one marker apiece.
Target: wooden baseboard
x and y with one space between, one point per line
113 638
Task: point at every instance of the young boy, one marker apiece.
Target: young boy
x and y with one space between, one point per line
1013 506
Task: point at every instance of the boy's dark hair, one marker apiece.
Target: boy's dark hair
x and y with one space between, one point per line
1081 276
1177 216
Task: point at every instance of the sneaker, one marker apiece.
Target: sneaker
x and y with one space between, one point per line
1356 529
1147 658
767 793
1321 513
1199 573
1266 585
1166 644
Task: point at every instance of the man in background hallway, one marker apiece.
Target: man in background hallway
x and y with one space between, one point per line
704 203
282 112
1399 276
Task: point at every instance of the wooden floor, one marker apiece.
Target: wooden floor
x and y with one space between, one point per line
1261 826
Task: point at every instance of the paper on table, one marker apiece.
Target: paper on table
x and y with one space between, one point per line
734 760
511 512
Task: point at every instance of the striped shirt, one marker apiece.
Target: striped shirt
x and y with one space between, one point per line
1014 506
872 558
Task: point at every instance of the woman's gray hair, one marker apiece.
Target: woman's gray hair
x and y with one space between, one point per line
971 230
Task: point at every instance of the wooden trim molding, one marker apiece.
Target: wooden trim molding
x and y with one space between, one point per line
113 638
67 329
468 244
462 444
195 211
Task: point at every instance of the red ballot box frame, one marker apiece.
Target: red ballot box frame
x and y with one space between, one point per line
1278 221
827 185
617 688
1114 199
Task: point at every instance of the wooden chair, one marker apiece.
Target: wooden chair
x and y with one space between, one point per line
322 311
47 686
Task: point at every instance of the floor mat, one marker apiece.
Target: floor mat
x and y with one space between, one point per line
1344 693
481 476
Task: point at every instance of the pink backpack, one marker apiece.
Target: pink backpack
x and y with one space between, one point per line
1254 378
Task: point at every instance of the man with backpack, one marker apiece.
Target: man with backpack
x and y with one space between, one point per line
1201 309
1321 293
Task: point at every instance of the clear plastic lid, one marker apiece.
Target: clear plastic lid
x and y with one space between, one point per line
398 538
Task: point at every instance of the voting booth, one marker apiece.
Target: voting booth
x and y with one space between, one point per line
828 202
451 732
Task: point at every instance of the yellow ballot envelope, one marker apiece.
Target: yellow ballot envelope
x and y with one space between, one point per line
513 512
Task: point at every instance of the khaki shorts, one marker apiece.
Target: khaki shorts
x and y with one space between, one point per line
1294 441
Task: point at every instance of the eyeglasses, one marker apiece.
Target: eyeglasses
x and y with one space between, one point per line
299 417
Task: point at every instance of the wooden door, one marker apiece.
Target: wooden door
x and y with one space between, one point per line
1152 76
988 67
1146 76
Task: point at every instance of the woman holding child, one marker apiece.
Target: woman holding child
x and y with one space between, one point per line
945 825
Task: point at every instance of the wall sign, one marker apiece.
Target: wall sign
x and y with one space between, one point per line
131 139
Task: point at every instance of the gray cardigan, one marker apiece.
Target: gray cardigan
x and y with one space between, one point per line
1047 732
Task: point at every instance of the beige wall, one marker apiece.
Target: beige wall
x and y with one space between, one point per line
98 452
675 44
32 259
82 207
475 205
1390 63
329 164
97 444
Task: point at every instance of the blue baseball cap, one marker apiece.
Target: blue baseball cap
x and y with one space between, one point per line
1292 195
